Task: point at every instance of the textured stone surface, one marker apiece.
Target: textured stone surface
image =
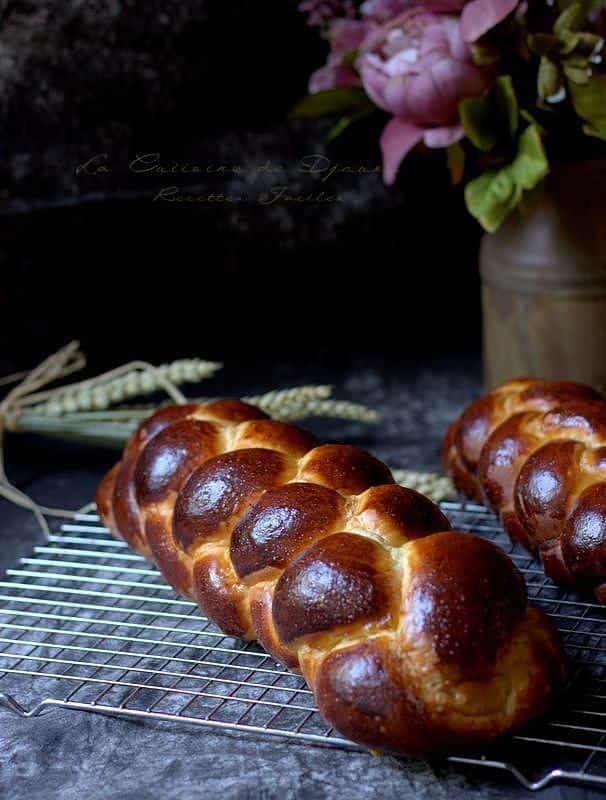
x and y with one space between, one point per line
71 755
207 85
204 83
86 88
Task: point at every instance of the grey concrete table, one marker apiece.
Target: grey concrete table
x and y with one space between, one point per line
75 755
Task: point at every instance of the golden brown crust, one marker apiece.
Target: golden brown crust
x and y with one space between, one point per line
501 459
399 514
583 539
170 559
168 459
217 492
231 411
220 595
274 435
363 692
103 496
340 580
413 639
462 598
261 608
536 452
283 522
343 468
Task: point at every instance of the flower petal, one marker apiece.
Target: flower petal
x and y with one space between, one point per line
443 137
444 6
347 34
396 97
479 16
459 49
397 140
329 77
454 81
426 101
373 78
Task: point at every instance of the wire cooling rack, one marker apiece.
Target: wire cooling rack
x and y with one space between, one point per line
86 624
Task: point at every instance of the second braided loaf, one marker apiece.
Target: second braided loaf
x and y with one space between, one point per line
536 452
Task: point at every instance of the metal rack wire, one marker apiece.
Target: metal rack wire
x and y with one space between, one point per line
86 624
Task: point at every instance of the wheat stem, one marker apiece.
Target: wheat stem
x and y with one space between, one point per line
437 487
102 395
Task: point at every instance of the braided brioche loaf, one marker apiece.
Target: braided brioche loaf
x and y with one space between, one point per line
536 452
413 638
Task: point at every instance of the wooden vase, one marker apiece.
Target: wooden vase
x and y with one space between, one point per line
544 282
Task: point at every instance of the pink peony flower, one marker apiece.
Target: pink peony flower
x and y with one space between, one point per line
345 35
477 16
323 12
332 76
381 11
418 68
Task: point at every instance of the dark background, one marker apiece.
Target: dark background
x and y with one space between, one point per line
384 274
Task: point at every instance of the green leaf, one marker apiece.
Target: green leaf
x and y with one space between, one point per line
491 118
589 101
345 122
571 19
492 197
478 123
506 103
582 62
577 75
455 156
530 165
589 131
568 41
548 78
589 42
331 101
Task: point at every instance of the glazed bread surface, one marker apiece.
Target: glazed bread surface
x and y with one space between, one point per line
414 638
535 451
